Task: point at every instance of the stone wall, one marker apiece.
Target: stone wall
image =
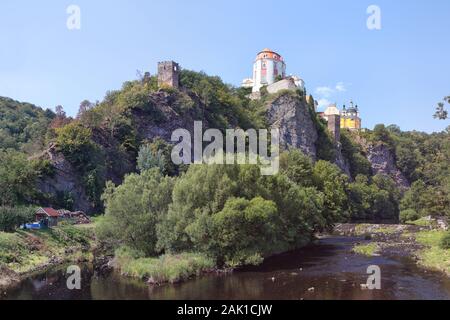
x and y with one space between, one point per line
286 84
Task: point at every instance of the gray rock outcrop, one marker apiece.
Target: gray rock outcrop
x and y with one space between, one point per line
64 180
382 161
292 117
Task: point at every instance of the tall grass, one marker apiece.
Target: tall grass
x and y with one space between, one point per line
435 255
167 268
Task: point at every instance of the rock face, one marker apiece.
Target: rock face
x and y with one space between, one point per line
383 161
159 121
64 180
292 117
341 162
168 120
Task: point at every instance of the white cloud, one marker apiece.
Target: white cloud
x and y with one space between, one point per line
340 87
327 92
323 103
324 91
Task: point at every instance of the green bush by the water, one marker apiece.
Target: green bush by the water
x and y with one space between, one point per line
167 268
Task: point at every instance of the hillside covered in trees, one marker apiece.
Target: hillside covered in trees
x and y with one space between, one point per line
118 154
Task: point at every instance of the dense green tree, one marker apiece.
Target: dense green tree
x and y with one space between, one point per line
74 141
426 200
201 199
332 182
17 178
134 209
297 167
382 134
359 165
242 233
23 126
13 217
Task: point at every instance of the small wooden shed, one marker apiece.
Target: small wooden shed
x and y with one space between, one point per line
49 214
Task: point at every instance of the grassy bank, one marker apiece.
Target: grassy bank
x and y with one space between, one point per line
433 256
167 268
369 250
23 252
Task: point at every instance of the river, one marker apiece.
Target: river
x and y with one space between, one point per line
328 266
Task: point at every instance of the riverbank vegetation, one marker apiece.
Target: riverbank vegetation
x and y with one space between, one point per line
23 251
436 254
366 249
167 268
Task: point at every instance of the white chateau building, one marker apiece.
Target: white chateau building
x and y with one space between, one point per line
269 68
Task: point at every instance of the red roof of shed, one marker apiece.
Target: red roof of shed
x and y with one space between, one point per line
51 212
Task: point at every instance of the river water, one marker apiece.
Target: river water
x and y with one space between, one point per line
328 266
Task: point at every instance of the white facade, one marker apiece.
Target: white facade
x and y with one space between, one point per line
247 83
269 68
332 110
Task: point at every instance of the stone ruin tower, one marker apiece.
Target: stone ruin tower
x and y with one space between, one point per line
168 74
334 125
333 117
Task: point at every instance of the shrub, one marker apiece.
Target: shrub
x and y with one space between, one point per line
167 268
408 215
12 217
74 141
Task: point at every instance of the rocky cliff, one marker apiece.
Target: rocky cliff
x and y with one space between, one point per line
342 162
383 161
291 115
64 180
160 118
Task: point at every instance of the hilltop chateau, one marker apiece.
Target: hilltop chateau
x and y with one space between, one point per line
269 71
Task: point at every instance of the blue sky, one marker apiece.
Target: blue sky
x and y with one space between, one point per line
396 74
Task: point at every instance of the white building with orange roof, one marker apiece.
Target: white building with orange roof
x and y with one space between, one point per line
269 68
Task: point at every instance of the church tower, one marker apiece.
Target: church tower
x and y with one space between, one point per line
350 118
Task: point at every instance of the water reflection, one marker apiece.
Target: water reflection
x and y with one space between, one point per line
325 270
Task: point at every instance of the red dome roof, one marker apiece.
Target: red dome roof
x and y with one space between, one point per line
269 54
